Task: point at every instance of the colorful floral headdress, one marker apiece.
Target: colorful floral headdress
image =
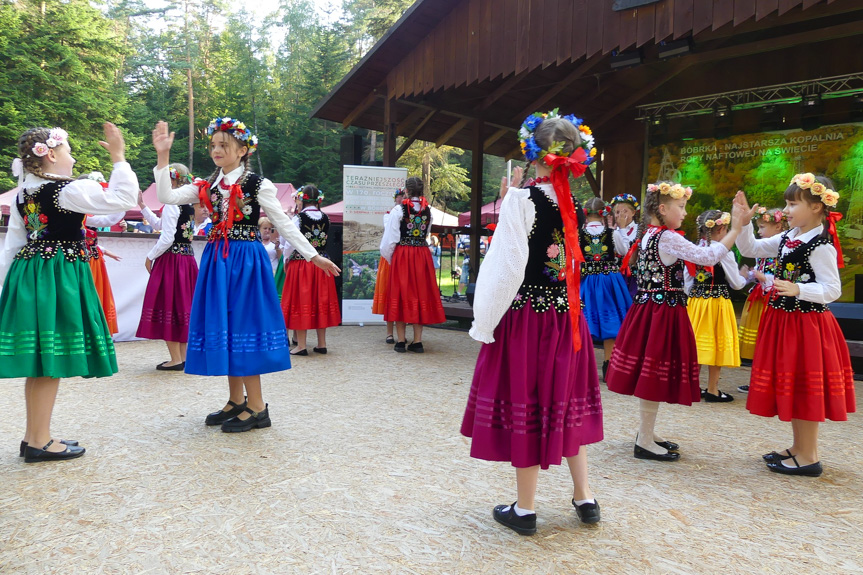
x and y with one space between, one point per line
305 195
807 181
722 220
175 175
532 151
56 137
626 199
777 217
236 128
397 192
676 191
603 211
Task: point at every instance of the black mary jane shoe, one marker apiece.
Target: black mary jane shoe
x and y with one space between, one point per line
400 347
178 367
390 340
416 347
521 524
588 513
321 350
811 470
720 397
220 417
641 453
23 449
774 457
257 420
604 369
300 353
669 445
35 455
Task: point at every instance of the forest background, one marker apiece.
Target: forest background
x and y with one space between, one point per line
77 64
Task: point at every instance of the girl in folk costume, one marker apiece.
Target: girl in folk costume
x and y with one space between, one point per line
236 328
51 323
310 299
173 274
535 399
412 295
625 210
770 223
655 357
802 369
382 280
605 295
710 310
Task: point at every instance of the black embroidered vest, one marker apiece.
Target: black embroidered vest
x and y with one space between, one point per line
316 231
415 226
599 256
795 267
544 282
185 232
657 282
245 227
707 285
50 228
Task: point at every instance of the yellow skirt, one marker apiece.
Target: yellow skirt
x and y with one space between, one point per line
753 309
715 327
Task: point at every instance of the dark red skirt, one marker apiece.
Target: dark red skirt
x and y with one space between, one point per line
801 369
655 357
309 298
533 399
168 299
413 295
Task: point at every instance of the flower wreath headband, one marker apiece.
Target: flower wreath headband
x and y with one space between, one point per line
722 220
531 150
56 137
626 199
175 175
603 211
676 191
302 194
237 129
807 181
776 217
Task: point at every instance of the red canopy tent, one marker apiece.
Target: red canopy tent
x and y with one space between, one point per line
488 214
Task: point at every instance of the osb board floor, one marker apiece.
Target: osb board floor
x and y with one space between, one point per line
364 471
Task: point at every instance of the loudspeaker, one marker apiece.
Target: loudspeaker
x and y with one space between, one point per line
351 149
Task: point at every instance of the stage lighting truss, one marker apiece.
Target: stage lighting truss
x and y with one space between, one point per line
847 86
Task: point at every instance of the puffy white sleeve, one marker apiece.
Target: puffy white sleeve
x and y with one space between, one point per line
621 242
828 286
688 281
170 217
392 233
732 272
89 197
502 270
104 221
751 247
187 194
16 238
268 200
154 220
678 246
287 248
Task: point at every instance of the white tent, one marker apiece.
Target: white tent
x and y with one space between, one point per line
441 218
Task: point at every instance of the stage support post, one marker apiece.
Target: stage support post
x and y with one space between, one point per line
390 133
476 198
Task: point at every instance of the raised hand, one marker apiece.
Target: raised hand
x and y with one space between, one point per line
741 213
162 142
114 143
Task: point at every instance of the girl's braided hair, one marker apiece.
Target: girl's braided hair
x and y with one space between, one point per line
32 162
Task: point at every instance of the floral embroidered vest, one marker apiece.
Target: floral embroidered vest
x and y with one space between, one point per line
244 228
544 284
795 267
185 232
50 228
415 226
599 256
657 282
707 285
316 231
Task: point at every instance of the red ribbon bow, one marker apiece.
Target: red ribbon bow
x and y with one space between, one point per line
690 267
561 167
832 218
792 244
234 208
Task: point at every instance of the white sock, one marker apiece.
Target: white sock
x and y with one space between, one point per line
648 410
522 512
583 501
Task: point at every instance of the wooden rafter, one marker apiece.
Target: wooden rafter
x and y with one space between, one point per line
361 108
452 131
412 138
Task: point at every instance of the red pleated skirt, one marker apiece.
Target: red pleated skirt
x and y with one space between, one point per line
413 295
382 283
309 297
106 294
655 357
802 368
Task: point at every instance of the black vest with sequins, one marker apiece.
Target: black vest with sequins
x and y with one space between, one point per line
707 284
244 228
599 256
50 228
316 231
415 226
657 282
795 267
185 232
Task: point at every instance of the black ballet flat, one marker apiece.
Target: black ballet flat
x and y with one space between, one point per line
773 457
721 397
390 339
303 352
521 524
321 350
220 417
588 513
258 420
416 347
669 445
178 367
400 347
35 455
811 470
641 453
63 441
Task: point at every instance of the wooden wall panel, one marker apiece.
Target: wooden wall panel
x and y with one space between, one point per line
594 29
646 24
550 24
610 28
535 37
428 63
522 53
702 16
683 10
723 13
628 29
743 11
485 41
765 8
449 60
564 34
664 26
510 41
497 39
786 5
462 33
473 41
579 29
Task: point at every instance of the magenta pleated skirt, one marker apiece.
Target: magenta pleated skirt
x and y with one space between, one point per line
168 299
533 399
